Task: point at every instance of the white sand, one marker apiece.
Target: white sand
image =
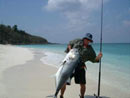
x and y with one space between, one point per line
33 80
11 56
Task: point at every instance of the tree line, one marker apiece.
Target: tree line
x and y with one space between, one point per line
12 35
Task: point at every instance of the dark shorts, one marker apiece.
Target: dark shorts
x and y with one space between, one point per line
79 74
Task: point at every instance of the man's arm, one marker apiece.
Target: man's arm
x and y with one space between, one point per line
69 47
98 57
73 44
92 57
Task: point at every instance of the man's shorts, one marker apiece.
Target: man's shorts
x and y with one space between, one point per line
79 74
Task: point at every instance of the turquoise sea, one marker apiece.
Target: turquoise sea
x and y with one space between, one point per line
115 62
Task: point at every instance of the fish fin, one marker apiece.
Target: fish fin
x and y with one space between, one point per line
55 83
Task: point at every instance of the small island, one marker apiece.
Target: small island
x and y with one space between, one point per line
12 35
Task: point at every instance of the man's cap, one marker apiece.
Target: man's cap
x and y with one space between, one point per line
89 37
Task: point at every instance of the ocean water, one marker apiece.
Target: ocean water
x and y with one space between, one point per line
115 62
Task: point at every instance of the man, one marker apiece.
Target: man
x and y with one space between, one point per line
86 54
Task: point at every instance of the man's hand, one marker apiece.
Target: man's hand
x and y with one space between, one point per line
99 56
69 47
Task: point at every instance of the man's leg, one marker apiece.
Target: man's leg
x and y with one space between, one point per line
63 90
82 90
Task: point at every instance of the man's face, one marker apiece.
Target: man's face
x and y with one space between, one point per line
86 41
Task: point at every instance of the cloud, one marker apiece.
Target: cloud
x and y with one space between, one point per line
126 23
78 17
78 12
63 5
73 5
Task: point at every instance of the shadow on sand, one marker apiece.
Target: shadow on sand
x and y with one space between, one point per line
86 96
90 96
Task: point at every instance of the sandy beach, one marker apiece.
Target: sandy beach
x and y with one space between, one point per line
30 78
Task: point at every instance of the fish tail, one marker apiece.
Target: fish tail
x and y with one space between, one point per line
51 96
55 97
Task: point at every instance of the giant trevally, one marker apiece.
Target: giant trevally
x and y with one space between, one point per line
68 65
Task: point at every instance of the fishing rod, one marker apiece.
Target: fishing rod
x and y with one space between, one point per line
99 77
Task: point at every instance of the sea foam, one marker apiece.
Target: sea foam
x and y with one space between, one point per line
52 58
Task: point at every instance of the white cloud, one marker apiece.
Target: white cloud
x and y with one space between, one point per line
68 5
62 5
126 22
78 12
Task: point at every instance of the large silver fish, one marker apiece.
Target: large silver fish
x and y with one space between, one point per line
68 65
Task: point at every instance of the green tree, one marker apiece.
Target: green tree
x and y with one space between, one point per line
15 28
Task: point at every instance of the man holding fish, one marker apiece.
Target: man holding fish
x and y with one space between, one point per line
86 53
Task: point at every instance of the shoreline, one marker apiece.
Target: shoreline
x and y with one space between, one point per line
11 56
15 55
27 80
33 80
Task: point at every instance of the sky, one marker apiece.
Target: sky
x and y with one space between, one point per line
60 21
